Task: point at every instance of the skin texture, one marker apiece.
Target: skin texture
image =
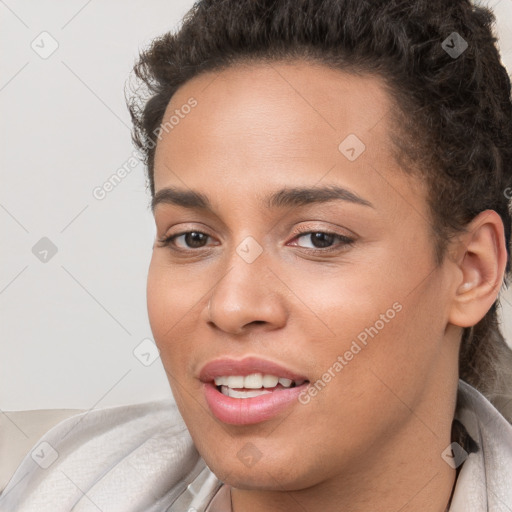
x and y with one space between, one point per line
372 438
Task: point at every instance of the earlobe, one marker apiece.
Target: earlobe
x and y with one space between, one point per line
482 266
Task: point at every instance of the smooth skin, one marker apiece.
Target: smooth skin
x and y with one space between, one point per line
372 438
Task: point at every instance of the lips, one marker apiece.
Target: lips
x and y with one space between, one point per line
251 390
247 366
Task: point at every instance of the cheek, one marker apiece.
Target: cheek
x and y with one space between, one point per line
169 301
171 294
385 348
159 300
385 314
339 303
166 305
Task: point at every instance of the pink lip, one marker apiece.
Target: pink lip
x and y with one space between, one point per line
245 411
226 366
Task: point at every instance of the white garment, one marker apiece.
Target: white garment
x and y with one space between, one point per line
141 458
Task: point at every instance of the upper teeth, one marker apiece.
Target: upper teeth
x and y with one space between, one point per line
252 381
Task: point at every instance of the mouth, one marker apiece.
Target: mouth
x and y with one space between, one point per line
254 384
251 390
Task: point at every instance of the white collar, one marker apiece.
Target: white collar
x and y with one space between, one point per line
485 479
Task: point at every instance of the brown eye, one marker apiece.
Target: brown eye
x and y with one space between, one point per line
322 239
190 239
195 239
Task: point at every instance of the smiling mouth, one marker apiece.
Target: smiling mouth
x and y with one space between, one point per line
249 391
253 385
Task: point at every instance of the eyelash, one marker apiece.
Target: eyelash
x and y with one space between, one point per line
345 241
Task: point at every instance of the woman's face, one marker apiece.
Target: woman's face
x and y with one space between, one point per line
285 275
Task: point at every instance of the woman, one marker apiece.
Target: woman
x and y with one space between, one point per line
328 181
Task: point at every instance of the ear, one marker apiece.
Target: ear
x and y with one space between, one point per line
481 260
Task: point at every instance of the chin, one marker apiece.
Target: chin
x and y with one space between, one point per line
288 473
270 479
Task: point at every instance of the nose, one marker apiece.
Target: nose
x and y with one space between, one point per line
248 295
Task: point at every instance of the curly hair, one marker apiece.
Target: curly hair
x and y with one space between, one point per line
451 121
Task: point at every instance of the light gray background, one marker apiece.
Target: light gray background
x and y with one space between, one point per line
69 326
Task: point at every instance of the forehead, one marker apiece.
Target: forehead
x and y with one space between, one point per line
280 103
288 119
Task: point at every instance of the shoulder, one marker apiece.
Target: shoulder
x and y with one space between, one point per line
485 475
129 458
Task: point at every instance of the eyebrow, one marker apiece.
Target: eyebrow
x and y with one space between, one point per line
284 198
